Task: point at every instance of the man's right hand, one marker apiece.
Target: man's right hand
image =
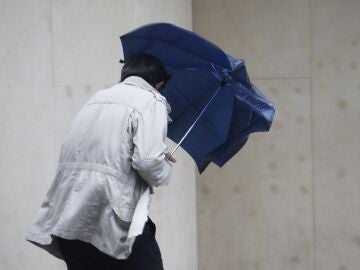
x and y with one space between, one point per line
170 158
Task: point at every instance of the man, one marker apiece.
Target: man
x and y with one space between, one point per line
95 215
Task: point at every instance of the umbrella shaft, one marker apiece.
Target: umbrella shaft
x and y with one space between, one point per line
196 120
183 138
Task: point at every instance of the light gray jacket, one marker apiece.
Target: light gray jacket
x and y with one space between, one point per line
112 155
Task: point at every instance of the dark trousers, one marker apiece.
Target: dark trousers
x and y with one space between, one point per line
145 254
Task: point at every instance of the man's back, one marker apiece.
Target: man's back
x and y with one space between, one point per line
112 154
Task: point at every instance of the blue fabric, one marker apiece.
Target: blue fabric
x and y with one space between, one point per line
198 68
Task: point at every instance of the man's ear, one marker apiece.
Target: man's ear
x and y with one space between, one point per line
158 85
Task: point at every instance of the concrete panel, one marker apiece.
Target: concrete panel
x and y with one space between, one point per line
255 213
26 171
336 171
72 48
172 11
337 234
25 51
336 137
86 40
335 36
272 36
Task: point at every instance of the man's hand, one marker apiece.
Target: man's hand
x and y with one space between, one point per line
170 158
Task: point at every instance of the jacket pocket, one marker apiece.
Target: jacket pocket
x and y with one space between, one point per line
123 215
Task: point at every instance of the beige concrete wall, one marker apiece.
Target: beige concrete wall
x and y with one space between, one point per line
54 56
290 198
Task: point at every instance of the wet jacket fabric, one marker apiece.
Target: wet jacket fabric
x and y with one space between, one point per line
111 159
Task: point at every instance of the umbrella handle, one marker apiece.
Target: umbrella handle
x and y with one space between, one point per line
196 120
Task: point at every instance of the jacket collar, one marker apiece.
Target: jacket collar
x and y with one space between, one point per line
140 82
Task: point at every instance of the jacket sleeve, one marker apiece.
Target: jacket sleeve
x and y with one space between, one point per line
149 134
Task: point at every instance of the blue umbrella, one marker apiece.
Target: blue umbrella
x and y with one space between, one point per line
214 105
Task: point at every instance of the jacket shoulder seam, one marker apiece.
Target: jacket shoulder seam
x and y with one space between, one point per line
147 104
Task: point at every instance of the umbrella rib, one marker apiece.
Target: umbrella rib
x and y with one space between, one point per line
196 120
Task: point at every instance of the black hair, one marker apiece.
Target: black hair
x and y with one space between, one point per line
145 66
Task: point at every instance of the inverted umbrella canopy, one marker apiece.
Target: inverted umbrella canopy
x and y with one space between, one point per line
212 99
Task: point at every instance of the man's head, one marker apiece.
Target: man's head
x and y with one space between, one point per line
147 67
